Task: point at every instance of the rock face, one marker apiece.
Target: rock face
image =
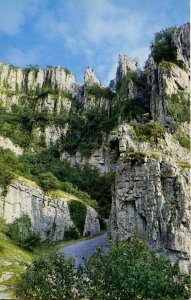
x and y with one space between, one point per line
99 159
34 79
181 40
90 78
152 200
166 79
6 143
124 65
151 196
50 217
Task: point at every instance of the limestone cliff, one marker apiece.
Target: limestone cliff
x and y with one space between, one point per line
152 196
153 201
138 128
50 216
168 78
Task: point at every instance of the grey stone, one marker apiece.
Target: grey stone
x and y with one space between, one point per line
50 217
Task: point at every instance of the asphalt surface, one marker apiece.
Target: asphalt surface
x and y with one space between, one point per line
83 250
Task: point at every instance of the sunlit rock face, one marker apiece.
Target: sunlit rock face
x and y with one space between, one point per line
153 201
163 81
124 65
34 79
50 217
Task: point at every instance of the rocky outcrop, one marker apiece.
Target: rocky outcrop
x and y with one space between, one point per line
124 65
152 200
6 143
50 217
54 104
151 195
90 78
162 82
34 79
167 78
92 226
100 159
181 41
51 134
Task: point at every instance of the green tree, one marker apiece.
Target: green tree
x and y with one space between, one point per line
48 279
48 181
162 47
20 231
130 271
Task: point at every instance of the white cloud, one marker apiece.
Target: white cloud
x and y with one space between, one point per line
13 14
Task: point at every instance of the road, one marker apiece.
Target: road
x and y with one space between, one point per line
83 250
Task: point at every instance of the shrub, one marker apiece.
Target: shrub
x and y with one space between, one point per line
131 270
48 181
20 231
6 176
183 139
167 66
51 279
162 48
179 107
135 157
151 132
100 92
78 212
71 234
184 164
3 225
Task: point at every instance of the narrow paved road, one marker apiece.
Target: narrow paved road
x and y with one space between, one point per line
83 250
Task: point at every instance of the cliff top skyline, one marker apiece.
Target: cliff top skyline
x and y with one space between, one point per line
76 34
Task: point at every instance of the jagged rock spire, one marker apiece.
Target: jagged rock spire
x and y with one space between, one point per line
125 64
89 77
181 40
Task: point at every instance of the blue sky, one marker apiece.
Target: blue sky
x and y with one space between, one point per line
80 33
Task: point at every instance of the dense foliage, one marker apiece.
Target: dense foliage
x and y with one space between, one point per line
162 47
77 181
179 107
151 132
78 214
130 270
51 279
183 139
20 231
51 174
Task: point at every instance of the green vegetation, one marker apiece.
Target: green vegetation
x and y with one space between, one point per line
130 270
167 66
179 107
50 174
20 232
71 234
78 214
128 109
100 92
6 176
135 157
122 84
183 139
184 164
162 48
51 278
150 132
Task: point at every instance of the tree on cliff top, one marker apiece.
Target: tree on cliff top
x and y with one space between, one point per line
162 47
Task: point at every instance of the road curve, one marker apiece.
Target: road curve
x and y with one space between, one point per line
83 250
